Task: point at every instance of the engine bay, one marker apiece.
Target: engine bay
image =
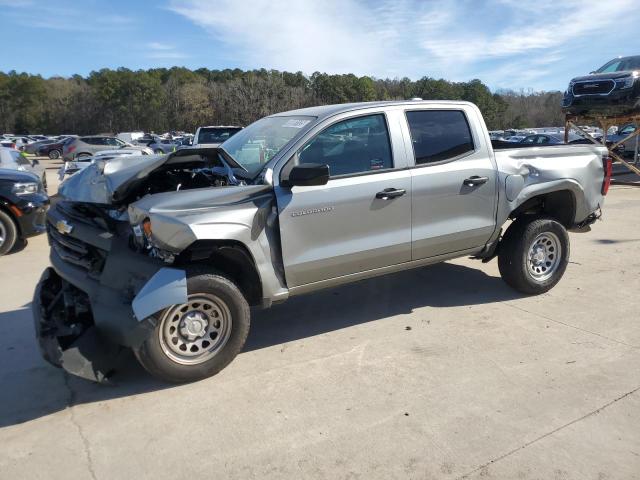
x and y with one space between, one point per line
184 172
179 177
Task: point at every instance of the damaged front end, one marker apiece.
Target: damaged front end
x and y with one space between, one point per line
117 236
99 295
66 331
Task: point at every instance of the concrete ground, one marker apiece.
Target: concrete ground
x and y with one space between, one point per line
437 373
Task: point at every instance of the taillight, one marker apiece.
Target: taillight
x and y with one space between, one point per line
608 171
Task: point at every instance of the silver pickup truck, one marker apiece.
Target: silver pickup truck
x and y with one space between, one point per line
165 255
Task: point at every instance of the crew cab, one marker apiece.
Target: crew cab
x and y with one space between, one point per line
166 255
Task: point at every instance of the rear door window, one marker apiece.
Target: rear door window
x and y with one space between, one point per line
439 135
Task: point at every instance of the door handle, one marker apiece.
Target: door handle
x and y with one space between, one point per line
389 193
475 180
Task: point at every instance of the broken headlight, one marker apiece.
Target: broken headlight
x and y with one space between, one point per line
143 239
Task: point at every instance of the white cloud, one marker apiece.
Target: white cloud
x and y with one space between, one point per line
61 16
159 46
455 39
163 51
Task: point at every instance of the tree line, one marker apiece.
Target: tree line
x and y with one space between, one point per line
160 99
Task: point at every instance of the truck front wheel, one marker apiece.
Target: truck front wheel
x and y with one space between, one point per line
533 254
197 339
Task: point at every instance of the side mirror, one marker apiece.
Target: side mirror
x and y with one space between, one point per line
307 175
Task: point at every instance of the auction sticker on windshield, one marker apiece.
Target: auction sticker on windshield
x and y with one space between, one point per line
295 123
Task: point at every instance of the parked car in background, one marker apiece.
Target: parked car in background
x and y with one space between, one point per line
23 207
158 145
14 160
183 142
613 89
130 137
515 138
627 148
53 150
213 136
87 146
21 142
33 147
549 139
6 143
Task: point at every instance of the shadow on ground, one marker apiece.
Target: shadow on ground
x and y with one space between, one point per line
32 389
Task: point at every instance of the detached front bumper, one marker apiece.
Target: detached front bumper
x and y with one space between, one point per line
85 318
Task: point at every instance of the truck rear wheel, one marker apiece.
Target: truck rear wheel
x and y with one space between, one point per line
534 254
197 339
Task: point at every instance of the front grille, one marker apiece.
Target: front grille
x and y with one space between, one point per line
594 87
76 252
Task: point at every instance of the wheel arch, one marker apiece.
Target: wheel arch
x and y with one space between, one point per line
229 257
559 204
5 206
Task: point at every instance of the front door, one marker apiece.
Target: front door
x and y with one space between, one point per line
361 219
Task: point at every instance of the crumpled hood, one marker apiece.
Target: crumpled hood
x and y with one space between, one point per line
108 181
98 182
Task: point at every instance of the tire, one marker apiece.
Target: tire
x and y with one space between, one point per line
162 354
54 154
8 233
533 254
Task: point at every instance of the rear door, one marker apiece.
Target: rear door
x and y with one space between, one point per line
454 181
348 225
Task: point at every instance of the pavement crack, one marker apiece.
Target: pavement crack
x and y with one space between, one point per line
571 326
85 441
552 432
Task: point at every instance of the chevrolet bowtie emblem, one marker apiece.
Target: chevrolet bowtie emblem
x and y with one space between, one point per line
63 227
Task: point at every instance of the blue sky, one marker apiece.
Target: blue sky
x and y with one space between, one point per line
506 43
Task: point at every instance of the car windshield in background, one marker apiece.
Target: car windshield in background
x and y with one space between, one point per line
255 145
621 65
216 135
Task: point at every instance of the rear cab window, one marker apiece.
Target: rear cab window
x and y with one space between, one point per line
439 135
216 134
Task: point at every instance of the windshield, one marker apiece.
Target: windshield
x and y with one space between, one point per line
621 65
216 134
255 145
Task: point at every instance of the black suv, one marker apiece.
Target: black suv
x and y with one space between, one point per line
613 89
23 207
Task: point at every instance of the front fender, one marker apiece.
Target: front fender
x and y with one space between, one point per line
245 215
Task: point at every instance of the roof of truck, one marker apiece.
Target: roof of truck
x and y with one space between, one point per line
324 111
